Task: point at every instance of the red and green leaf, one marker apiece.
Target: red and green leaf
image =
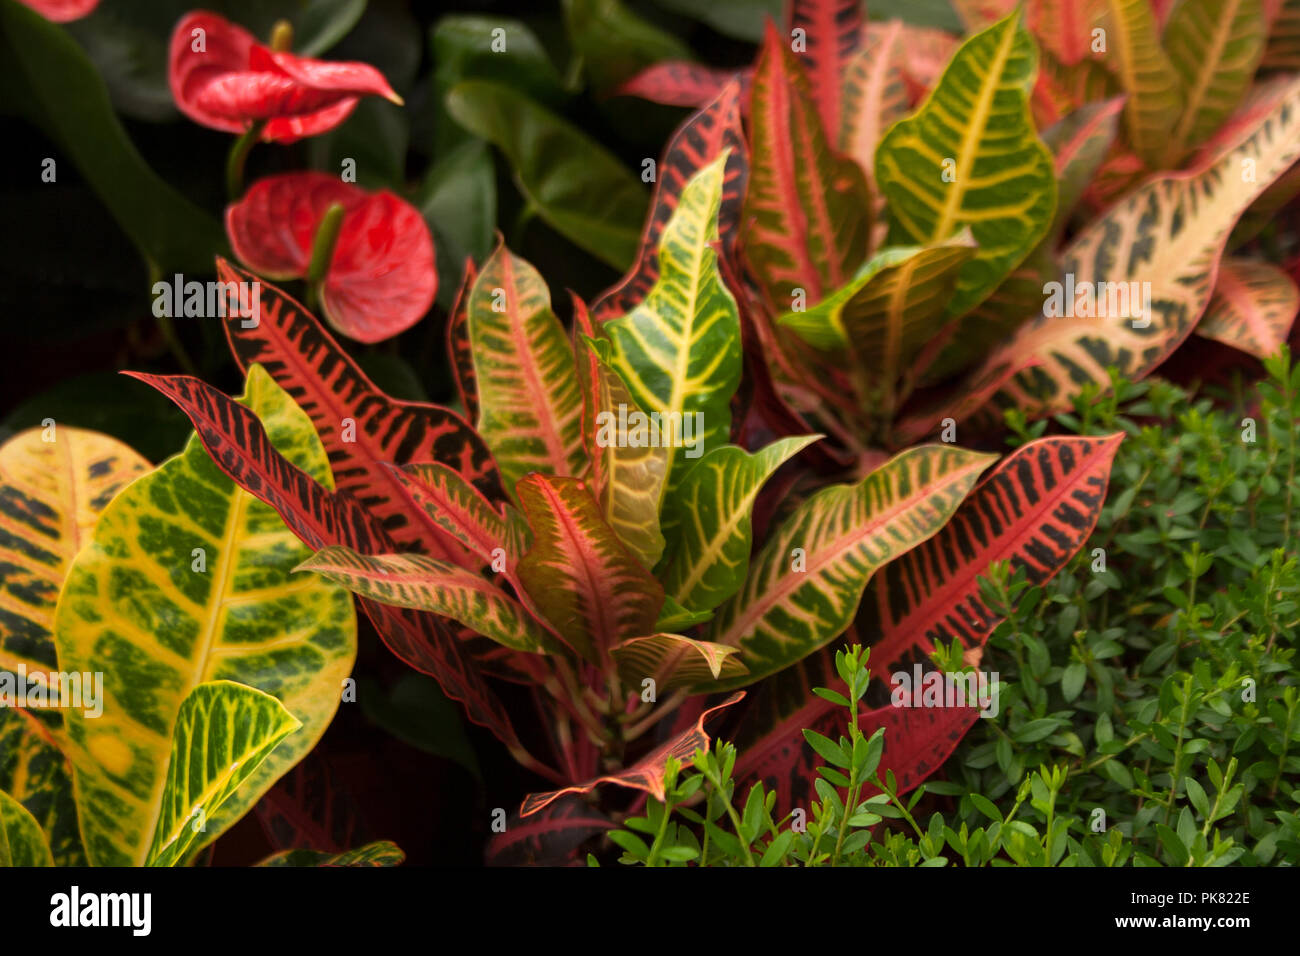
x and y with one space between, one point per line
1253 307
459 350
833 31
673 660
808 210
677 83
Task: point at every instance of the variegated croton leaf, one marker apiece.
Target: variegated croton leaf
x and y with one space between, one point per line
1154 93
1253 307
832 35
187 578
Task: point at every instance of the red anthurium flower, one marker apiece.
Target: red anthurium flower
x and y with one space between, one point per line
381 277
223 78
62 11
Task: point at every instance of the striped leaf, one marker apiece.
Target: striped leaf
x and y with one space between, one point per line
581 577
361 427
894 309
1215 47
1253 307
676 83
711 517
465 515
673 661
51 495
970 157
21 841
530 406
804 587
808 210
223 733
1036 509
1170 233
1059 89
379 853
633 463
236 441
647 775
929 51
833 34
459 349
1155 96
1065 26
875 97
696 143
1283 49
427 584
188 579
35 773
679 350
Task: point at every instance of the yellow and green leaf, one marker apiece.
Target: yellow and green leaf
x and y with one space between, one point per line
678 352
804 588
969 157
711 521
1147 76
189 579
379 853
530 405
223 733
35 773
21 841
673 661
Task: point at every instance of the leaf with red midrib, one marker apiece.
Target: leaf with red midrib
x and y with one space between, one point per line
677 83
696 143
459 350
834 34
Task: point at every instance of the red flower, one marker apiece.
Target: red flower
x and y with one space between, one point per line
223 78
381 278
62 11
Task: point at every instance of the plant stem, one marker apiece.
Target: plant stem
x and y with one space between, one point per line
238 156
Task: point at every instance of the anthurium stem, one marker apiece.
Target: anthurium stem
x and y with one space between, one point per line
238 156
322 249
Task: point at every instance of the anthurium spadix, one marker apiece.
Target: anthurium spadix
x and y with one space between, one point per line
188 579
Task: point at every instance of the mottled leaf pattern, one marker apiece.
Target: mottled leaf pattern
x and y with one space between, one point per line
970 157
675 661
459 350
679 350
530 406
188 579
710 516
223 733
1253 307
1155 97
803 589
35 773
379 853
21 841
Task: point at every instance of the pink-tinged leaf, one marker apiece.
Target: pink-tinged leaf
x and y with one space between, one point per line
808 210
552 837
222 78
833 30
381 279
976 15
460 510
648 773
62 11
1059 90
928 51
672 660
319 517
320 376
677 83
1036 509
875 96
1065 26
583 580
530 402
697 142
309 809
1253 307
924 417
459 349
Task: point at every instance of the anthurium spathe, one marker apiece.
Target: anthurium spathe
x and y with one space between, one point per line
62 11
377 279
223 78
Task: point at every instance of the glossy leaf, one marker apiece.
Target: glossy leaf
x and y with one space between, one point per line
679 350
970 157
380 280
581 577
35 773
711 517
1214 46
803 589
1168 237
696 143
833 31
188 579
416 581
21 841
1253 307
575 184
808 209
614 42
672 661
1155 97
460 510
530 405
343 403
647 775
51 495
222 734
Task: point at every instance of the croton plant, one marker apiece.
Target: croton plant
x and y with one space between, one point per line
659 513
